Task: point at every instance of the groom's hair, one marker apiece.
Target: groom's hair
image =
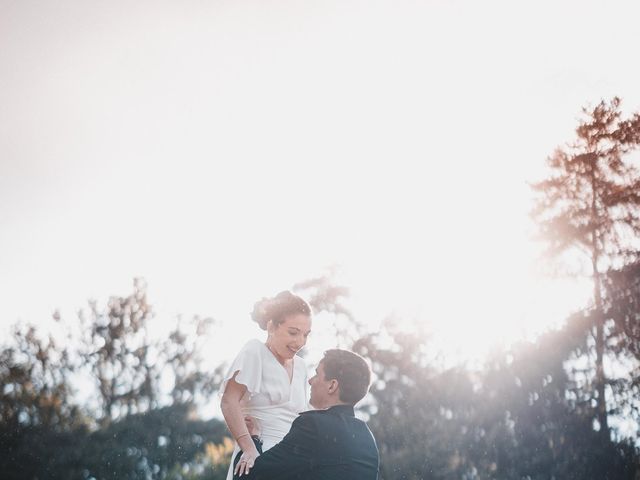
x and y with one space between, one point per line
351 371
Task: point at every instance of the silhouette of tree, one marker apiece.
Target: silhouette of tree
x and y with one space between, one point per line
524 415
591 203
420 415
38 415
34 382
118 351
622 305
150 445
128 365
518 417
325 296
545 417
45 433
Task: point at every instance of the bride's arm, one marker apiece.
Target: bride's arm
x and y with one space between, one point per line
232 412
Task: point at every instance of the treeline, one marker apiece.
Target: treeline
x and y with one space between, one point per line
138 421
528 414
565 406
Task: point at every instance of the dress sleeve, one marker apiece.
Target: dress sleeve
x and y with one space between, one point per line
248 365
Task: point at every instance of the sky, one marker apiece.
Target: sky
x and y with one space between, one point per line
225 150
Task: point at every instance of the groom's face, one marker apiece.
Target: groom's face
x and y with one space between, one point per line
321 389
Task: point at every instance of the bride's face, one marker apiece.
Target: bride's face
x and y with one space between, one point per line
288 337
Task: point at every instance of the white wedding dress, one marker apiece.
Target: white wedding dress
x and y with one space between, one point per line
271 399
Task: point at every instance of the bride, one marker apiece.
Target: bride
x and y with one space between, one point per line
268 381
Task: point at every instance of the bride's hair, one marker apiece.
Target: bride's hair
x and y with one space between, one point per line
278 308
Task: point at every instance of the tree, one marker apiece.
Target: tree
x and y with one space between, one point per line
592 203
528 394
128 365
181 357
150 445
622 305
325 296
147 390
34 382
117 350
519 417
38 415
418 413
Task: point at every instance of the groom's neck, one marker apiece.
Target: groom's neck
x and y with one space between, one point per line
334 404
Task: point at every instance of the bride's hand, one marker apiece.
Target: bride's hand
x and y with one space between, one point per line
247 460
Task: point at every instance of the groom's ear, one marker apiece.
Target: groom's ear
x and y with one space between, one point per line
333 386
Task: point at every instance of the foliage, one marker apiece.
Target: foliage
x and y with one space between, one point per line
591 203
327 298
34 382
622 306
518 418
527 414
592 197
128 366
149 445
46 433
140 446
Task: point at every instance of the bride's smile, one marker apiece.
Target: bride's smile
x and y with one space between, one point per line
288 337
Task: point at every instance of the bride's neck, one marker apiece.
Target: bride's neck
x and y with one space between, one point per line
280 359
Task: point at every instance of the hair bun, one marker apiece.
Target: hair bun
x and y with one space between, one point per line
276 308
261 312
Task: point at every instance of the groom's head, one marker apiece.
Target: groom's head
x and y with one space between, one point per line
342 377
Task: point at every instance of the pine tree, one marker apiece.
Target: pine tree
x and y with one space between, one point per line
591 203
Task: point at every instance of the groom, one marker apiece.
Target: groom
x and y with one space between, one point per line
330 442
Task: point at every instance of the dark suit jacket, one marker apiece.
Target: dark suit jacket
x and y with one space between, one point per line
327 444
